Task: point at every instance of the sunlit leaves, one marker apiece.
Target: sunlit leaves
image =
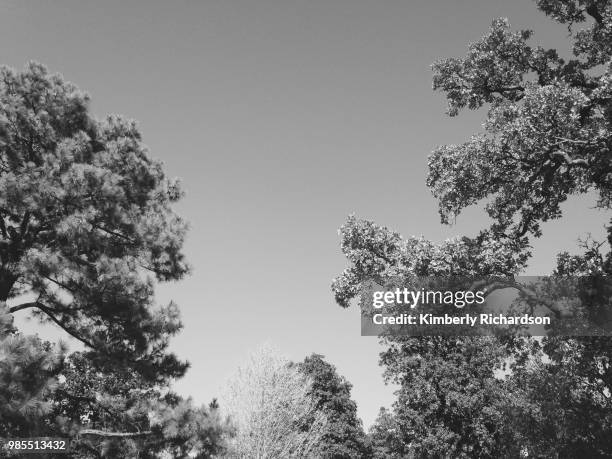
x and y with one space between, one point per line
547 132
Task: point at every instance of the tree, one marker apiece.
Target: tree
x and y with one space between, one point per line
126 416
566 405
547 135
86 230
384 437
86 223
273 413
449 398
343 436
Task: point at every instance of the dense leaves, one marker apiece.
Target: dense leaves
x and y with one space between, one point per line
126 416
28 377
86 230
85 222
385 438
547 132
343 436
547 135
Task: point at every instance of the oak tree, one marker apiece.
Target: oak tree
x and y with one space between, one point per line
547 136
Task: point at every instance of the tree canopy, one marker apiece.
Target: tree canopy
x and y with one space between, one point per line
87 229
273 409
86 222
547 136
343 435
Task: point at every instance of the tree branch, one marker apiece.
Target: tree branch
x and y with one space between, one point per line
63 326
113 233
23 228
59 284
49 312
500 284
103 433
568 159
13 309
594 13
565 139
3 227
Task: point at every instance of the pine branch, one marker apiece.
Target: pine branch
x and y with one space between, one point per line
103 433
49 312
33 304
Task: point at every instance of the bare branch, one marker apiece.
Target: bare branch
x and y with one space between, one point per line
564 139
568 159
50 313
33 304
499 284
103 433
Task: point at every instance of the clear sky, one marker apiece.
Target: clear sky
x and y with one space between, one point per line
281 117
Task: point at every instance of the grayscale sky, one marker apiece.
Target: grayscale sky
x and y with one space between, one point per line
281 117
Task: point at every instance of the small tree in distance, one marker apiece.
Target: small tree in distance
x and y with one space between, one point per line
343 436
269 403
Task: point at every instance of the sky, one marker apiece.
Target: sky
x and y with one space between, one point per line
281 117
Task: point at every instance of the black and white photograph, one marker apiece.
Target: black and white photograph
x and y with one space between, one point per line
321 229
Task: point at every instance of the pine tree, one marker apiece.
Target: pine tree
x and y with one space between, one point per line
86 231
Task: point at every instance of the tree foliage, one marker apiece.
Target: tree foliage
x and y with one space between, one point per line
384 437
343 436
547 132
28 378
86 223
126 416
86 230
547 136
